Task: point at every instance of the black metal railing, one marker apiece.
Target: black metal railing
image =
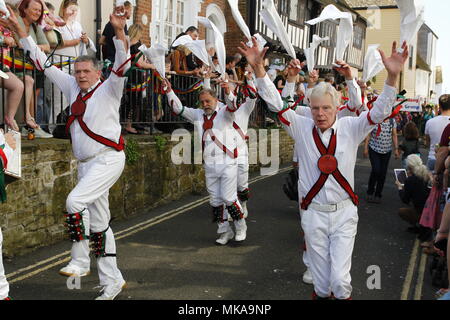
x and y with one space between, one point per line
143 103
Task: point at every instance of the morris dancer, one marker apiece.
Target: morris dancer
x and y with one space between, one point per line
7 146
214 125
328 150
242 117
97 145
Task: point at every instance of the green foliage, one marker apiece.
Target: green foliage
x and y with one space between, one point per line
132 152
161 143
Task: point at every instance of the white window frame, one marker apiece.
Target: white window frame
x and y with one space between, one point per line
162 24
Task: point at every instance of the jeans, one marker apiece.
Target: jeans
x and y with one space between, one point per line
380 163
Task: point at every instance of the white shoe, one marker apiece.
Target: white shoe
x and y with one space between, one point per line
241 235
39 133
225 237
244 209
112 290
307 277
74 271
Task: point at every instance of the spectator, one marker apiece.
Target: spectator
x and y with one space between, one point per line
442 160
434 129
428 115
31 16
132 100
106 40
410 144
378 147
280 80
416 191
13 85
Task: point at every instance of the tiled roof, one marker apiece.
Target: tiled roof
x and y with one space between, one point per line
367 3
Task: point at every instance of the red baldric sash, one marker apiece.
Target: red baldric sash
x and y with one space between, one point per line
77 111
239 130
327 164
207 130
392 116
4 158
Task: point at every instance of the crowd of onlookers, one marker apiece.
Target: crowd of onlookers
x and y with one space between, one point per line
59 34
422 140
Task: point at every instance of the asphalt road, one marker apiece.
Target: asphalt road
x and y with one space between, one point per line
169 253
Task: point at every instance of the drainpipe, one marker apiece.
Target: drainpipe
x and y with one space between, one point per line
98 26
251 16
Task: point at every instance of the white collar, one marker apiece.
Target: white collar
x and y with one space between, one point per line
333 127
91 88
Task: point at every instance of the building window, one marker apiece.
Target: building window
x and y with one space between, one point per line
297 12
168 20
283 7
358 37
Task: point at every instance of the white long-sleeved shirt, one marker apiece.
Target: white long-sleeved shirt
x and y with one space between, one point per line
351 131
355 100
102 109
223 129
242 117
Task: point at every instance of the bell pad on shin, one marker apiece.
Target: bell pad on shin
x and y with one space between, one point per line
244 195
75 226
217 214
235 212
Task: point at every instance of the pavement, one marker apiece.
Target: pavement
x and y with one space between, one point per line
169 253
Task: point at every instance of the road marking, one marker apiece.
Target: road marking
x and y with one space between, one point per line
419 285
410 272
122 234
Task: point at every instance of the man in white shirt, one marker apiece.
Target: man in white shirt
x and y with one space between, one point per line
98 146
213 123
328 150
7 146
434 129
242 117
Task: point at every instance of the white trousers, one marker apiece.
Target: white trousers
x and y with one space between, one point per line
242 177
95 178
330 237
221 181
4 286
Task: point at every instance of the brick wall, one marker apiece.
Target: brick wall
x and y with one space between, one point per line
144 7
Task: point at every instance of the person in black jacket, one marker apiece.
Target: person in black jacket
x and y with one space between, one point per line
416 191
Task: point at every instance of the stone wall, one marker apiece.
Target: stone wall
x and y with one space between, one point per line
33 215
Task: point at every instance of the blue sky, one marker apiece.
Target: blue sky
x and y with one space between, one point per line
437 17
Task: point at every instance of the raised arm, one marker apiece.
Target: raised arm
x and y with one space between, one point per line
177 107
115 82
354 91
266 89
382 108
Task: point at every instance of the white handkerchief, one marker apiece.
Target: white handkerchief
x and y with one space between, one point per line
261 41
4 9
345 30
218 43
412 18
270 17
156 54
182 41
373 63
310 53
198 48
238 18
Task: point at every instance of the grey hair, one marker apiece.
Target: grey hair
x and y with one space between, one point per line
97 64
415 165
211 92
324 88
